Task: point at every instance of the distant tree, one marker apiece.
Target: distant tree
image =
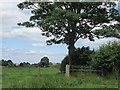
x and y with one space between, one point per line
66 22
4 62
57 63
7 63
44 61
25 64
107 57
10 63
21 64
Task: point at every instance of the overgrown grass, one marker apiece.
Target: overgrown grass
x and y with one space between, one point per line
0 77
50 77
92 80
31 77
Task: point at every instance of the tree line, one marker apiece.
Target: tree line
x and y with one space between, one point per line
44 62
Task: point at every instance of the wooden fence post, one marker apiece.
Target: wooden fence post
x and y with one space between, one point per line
102 72
67 72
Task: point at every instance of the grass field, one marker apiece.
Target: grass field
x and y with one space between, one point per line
50 77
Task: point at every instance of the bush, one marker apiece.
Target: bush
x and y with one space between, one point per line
107 57
63 64
79 57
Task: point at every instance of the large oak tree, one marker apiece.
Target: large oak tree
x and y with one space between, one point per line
66 22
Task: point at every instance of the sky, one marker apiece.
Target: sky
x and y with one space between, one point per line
21 44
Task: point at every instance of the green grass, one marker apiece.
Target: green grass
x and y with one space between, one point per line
90 80
0 77
31 77
50 77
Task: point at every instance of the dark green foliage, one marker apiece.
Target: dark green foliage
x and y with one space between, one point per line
6 63
110 31
64 62
79 57
21 64
27 24
24 64
3 62
107 57
44 62
10 63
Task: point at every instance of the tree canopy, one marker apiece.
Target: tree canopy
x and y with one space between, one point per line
66 22
44 61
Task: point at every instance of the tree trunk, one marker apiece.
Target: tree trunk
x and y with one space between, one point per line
71 49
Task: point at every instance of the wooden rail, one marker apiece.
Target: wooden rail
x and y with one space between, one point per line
81 68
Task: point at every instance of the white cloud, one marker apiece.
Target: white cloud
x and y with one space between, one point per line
4 1
25 34
10 16
96 43
31 52
10 50
32 56
39 45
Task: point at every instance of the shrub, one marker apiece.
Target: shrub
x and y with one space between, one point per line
107 57
63 64
79 57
